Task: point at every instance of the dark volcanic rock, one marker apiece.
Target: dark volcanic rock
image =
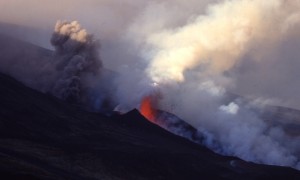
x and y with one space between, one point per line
42 137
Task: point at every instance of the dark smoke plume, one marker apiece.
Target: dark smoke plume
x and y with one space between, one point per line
77 53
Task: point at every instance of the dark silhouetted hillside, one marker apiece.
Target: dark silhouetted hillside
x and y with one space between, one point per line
42 137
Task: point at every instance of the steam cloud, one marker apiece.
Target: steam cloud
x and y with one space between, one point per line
193 53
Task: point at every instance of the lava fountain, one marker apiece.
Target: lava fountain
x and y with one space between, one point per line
147 108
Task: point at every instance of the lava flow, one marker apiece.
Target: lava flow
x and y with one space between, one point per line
147 108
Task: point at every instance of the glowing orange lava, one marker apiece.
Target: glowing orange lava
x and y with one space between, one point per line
147 108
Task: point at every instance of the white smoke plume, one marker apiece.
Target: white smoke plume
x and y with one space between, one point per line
218 39
194 53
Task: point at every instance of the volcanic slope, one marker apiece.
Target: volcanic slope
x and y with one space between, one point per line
42 137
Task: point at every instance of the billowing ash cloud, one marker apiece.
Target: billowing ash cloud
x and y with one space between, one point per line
195 54
72 72
77 53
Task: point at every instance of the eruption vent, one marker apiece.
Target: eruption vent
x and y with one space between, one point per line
147 108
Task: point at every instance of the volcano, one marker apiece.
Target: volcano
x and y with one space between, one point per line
43 137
